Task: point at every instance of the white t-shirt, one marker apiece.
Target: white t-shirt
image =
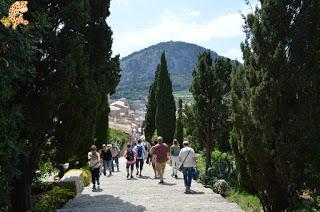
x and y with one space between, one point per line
189 160
94 159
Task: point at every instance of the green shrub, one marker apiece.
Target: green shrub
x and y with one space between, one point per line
41 187
121 137
86 176
53 200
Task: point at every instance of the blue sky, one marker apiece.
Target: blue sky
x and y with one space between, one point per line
213 24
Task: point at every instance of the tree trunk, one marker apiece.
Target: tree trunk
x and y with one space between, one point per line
21 193
208 156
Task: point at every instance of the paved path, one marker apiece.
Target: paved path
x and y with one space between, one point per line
145 194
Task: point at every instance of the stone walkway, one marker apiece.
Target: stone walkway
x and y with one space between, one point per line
145 194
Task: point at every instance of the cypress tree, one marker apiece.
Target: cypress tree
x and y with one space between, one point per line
275 99
151 109
210 87
179 128
53 86
166 108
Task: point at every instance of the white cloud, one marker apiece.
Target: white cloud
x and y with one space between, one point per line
192 13
235 54
174 27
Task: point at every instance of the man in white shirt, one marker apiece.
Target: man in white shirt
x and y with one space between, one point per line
187 158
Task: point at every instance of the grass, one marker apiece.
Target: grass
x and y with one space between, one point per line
246 201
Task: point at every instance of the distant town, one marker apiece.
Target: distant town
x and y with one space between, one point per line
127 116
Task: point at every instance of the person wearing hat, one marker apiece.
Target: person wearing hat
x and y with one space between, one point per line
187 158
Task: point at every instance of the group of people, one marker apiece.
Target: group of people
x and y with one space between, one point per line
139 153
108 156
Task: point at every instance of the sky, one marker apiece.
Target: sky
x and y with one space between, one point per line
213 24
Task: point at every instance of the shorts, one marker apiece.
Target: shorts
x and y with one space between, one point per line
161 166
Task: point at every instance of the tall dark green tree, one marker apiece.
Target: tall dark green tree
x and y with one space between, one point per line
166 108
179 127
106 69
275 99
53 87
210 87
150 117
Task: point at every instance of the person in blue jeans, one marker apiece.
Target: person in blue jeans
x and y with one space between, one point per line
107 159
187 158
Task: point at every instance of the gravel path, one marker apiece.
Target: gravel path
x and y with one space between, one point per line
145 194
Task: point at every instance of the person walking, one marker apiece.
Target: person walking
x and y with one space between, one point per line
130 154
94 164
161 151
115 151
139 148
152 158
174 151
107 159
187 158
147 147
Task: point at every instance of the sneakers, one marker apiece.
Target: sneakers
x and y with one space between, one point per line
187 190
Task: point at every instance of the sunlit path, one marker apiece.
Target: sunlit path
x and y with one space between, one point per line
145 194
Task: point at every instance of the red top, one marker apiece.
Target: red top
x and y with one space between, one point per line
161 150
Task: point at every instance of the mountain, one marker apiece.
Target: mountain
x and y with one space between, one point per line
138 68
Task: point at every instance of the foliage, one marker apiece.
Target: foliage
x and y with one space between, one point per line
53 200
121 137
166 108
210 88
150 125
246 201
40 187
86 176
275 99
55 76
179 125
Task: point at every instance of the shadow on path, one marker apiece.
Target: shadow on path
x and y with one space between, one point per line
194 192
168 184
144 177
97 190
101 203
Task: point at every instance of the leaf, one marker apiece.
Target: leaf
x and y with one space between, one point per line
6 22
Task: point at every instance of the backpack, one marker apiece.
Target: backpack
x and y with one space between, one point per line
130 155
140 149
